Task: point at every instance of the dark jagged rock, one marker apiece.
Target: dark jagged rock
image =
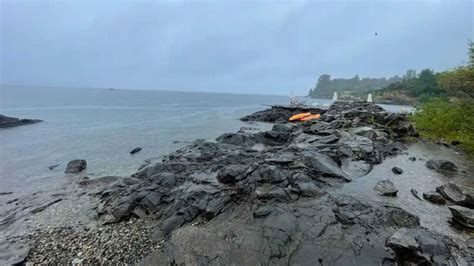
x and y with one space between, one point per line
231 173
341 107
400 240
416 246
271 197
296 161
399 217
76 166
400 125
434 197
441 165
286 128
280 113
325 165
386 188
412 158
240 139
459 195
397 170
335 231
6 121
463 216
137 149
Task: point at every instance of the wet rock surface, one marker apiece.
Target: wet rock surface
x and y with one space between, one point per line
441 165
280 114
386 188
253 198
434 197
457 194
76 166
6 121
463 216
413 246
397 170
401 240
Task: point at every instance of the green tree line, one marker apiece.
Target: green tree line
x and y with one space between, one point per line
356 86
422 87
449 113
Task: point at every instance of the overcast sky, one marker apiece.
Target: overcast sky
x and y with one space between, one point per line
226 46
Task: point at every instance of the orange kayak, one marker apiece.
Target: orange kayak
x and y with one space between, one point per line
306 118
298 116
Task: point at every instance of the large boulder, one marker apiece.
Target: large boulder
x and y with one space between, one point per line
386 188
76 166
463 216
325 165
416 246
402 240
441 165
400 125
460 195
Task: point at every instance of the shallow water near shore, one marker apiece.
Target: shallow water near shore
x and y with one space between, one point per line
416 175
103 126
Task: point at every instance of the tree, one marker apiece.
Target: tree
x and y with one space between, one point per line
458 82
427 81
411 74
324 82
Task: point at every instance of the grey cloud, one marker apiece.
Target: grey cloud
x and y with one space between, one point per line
238 46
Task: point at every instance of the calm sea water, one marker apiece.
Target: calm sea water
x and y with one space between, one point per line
103 126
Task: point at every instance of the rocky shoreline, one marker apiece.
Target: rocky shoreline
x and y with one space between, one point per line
6 121
270 197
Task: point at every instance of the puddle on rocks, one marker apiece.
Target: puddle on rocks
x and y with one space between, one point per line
416 175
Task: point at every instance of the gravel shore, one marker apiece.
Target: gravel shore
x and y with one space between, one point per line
124 242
